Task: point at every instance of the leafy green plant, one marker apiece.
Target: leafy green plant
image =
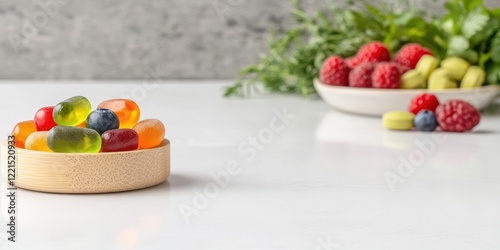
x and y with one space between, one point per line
473 32
294 58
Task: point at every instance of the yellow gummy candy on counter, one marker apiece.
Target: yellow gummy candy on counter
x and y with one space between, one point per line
398 120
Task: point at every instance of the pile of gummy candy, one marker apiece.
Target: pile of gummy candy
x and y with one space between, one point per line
72 127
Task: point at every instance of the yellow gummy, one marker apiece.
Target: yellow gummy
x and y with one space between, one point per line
38 141
456 67
426 65
441 79
412 79
440 72
398 120
442 83
473 78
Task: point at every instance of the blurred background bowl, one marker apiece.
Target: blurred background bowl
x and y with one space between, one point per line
375 102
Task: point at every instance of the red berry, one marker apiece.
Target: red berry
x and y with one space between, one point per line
361 76
423 101
386 76
335 72
457 116
353 62
44 121
373 52
410 54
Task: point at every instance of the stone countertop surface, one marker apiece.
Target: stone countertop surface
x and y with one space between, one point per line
269 172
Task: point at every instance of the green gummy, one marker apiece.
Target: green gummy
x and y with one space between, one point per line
72 111
66 139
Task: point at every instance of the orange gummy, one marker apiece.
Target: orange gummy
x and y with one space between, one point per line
151 133
128 111
22 130
38 141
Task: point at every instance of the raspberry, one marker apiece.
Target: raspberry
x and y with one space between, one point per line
386 76
410 54
334 72
361 76
457 116
423 101
353 62
372 52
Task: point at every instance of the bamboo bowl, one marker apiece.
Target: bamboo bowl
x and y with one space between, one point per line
89 173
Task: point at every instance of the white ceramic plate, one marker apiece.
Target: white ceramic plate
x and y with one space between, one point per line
375 102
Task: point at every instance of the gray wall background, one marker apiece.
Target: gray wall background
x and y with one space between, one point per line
130 39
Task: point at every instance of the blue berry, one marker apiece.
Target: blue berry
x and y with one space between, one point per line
425 120
102 120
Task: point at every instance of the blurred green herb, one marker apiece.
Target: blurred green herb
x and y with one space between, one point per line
473 32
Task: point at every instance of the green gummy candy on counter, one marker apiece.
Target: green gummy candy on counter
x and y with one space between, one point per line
66 139
72 111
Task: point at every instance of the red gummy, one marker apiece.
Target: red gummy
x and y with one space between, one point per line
361 76
457 116
423 101
386 76
335 72
410 54
117 140
44 120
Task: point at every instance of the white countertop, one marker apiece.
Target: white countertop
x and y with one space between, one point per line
317 180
